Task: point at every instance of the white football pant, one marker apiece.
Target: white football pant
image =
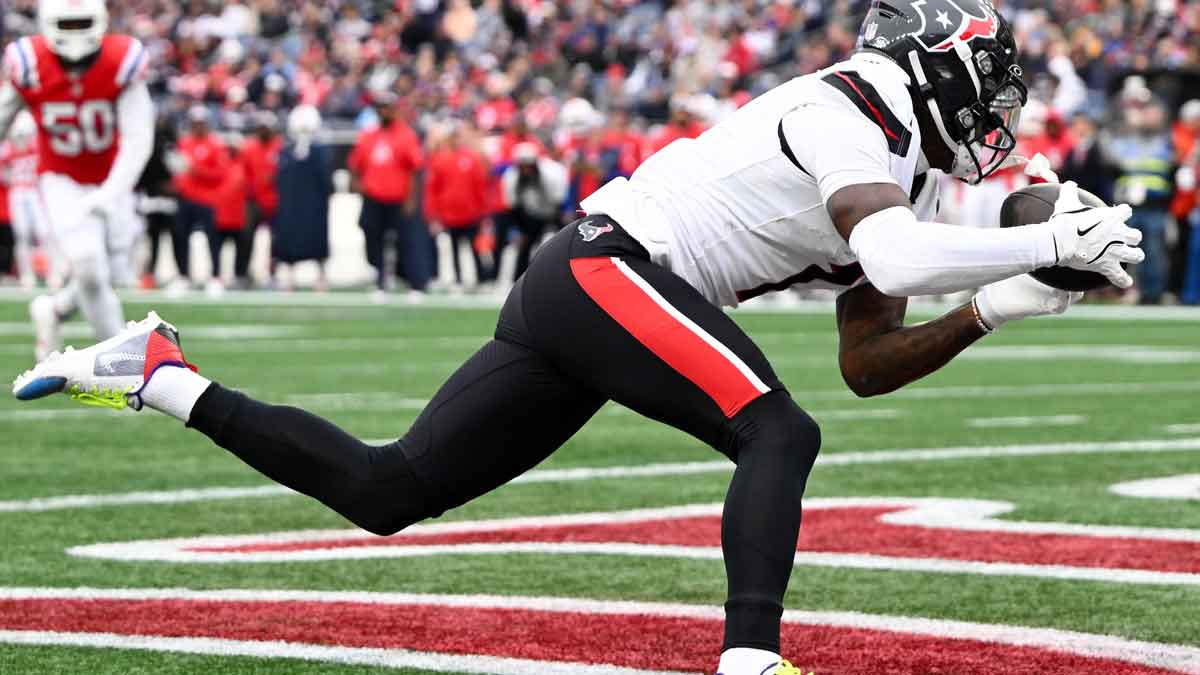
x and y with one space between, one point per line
96 252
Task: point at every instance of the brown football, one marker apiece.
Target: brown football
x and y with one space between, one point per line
1035 204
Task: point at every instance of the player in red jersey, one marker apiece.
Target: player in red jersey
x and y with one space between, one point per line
95 120
19 156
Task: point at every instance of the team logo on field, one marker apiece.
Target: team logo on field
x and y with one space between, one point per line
589 232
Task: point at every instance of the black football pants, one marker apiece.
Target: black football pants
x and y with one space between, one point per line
592 320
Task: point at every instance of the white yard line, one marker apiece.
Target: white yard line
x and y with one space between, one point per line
1178 658
400 302
632 471
1182 428
1025 421
204 331
362 656
1185 486
389 400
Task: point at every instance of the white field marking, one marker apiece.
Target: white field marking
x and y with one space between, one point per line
832 415
631 471
363 656
1185 486
686 321
353 401
37 414
1025 421
1178 658
1011 391
1082 352
946 514
203 331
400 303
345 344
1182 428
383 400
143 497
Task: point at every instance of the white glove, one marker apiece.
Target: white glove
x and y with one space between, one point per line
1021 297
1094 239
1039 167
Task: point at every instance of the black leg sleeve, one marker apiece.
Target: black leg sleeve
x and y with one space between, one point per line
776 444
372 486
502 412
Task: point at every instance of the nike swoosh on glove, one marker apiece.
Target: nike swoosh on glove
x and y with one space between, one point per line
1094 238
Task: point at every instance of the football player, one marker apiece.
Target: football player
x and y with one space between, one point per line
19 155
823 181
95 123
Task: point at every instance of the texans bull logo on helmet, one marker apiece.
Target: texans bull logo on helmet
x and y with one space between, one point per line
939 27
967 25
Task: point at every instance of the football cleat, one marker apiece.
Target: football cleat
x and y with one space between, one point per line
110 374
46 326
785 667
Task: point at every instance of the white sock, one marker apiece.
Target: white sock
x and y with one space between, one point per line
746 661
174 391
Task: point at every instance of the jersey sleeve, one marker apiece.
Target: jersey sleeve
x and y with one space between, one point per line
134 64
20 67
835 147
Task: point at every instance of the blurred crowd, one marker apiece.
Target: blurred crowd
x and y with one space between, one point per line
485 122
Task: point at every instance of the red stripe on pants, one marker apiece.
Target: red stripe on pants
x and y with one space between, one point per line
664 335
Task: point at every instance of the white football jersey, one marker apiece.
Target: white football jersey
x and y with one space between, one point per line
741 210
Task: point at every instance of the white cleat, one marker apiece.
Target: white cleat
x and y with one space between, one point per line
47 327
110 374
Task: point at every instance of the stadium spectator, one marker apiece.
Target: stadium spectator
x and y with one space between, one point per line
456 193
1141 150
681 125
305 185
230 218
201 164
1187 202
384 162
156 202
260 156
1085 163
7 240
535 187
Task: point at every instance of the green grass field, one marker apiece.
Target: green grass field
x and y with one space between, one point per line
1087 381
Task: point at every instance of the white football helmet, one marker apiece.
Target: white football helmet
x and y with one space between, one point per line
73 28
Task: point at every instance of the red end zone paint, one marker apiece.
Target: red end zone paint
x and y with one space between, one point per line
633 641
853 530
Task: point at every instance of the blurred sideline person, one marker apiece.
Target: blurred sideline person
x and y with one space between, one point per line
260 155
384 163
156 203
534 188
95 121
229 221
456 194
7 260
20 159
201 163
305 184
821 182
1145 160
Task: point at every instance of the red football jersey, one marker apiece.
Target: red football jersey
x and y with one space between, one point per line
76 113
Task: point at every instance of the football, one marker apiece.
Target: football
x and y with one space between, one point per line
1035 204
